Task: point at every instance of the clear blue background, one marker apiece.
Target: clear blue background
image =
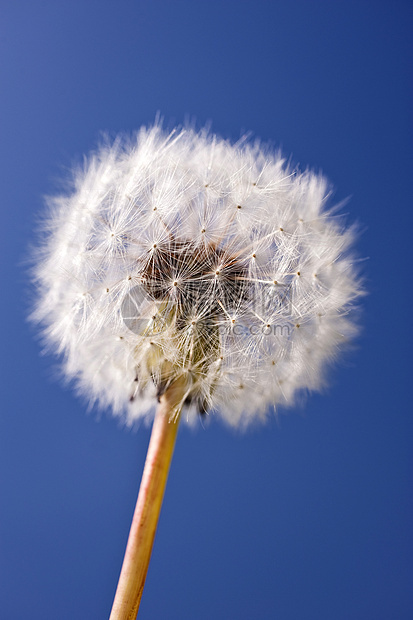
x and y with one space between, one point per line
307 518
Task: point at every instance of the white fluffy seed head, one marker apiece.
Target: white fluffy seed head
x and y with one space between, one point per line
182 255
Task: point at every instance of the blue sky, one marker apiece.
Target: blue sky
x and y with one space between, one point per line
309 517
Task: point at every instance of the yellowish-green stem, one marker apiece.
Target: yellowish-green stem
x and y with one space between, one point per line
145 519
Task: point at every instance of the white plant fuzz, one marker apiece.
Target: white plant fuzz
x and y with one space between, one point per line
182 255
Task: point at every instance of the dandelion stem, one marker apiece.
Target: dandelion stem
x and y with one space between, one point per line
145 519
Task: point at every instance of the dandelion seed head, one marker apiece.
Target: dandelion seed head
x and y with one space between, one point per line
183 255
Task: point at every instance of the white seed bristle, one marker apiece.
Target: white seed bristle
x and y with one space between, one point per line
148 272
